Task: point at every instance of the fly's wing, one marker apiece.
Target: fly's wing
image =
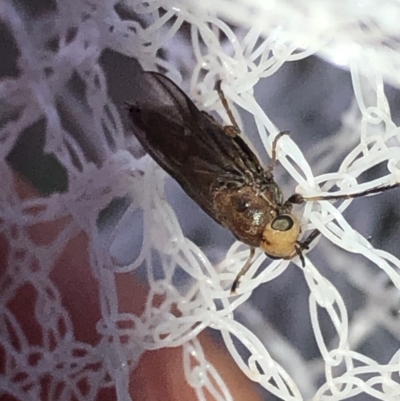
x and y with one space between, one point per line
186 142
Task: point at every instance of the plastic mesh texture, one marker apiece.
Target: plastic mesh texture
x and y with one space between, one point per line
326 331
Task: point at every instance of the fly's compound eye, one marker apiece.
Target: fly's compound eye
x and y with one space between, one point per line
280 236
282 223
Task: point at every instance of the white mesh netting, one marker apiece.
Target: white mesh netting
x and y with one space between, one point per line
72 323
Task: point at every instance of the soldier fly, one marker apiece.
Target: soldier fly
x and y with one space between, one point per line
219 171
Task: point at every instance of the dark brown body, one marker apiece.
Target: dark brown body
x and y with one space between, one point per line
218 171
244 212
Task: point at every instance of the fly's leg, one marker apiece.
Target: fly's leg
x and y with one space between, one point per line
231 130
304 245
243 271
274 160
226 105
274 146
371 191
298 199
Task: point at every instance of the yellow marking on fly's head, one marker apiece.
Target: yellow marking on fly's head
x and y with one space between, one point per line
280 237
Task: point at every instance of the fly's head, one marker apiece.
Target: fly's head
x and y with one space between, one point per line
280 237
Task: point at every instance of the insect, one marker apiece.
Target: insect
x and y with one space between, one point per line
219 171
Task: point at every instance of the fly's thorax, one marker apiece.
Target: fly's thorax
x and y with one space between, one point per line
245 212
280 236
